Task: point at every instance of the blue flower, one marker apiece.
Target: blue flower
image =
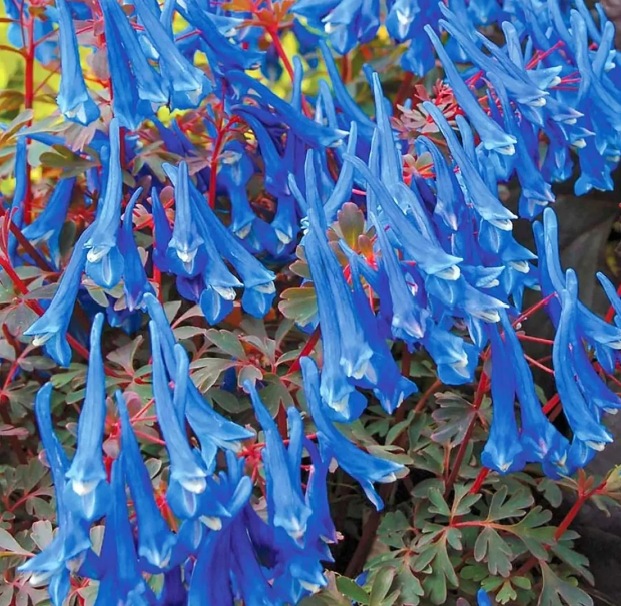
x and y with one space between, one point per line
492 136
484 201
66 551
48 225
50 330
185 252
104 262
362 466
284 493
503 451
212 429
155 540
582 418
88 488
540 439
186 84
74 100
122 580
187 474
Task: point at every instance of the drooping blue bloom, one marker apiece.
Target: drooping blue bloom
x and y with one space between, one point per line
66 551
362 466
541 441
74 100
187 474
211 428
155 540
187 85
503 451
48 225
584 420
284 493
135 281
104 262
122 581
492 136
50 330
185 252
88 489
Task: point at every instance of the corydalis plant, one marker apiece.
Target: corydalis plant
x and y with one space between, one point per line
221 438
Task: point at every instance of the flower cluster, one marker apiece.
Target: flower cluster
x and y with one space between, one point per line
392 255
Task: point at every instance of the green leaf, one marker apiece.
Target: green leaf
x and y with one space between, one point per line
555 588
42 533
551 491
490 546
501 508
440 573
381 585
10 547
227 342
351 224
352 590
573 559
506 593
439 504
299 304
206 371
124 356
453 418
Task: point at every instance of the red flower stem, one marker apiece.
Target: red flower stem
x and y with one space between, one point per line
610 314
476 487
583 497
309 346
461 453
25 244
28 104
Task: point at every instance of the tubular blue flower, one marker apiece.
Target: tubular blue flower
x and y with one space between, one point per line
88 488
492 136
355 350
122 582
66 551
229 54
185 249
155 540
211 428
484 201
304 128
104 262
427 254
187 476
234 174
74 101
317 496
48 225
284 493
210 583
186 84
135 282
50 330
408 318
400 19
540 440
162 233
583 420
456 360
362 466
383 375
343 400
503 451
